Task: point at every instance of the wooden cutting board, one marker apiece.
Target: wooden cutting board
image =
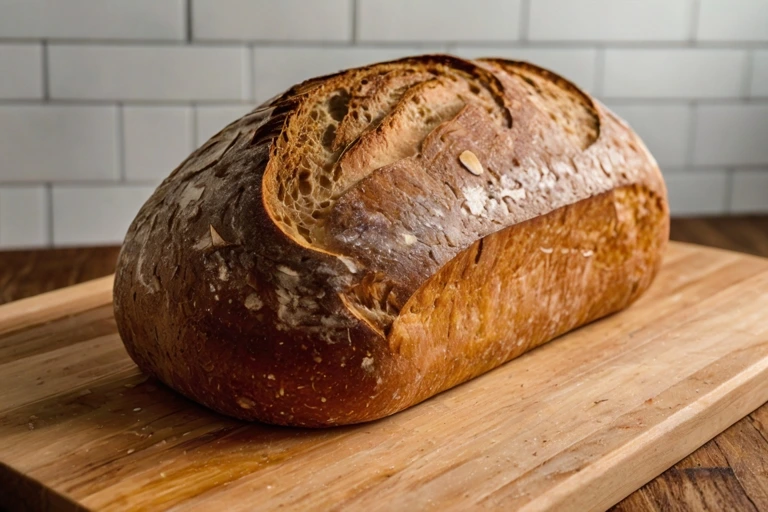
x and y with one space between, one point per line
577 424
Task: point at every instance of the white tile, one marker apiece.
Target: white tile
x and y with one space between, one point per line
612 20
759 85
93 19
749 193
157 140
21 71
115 72
673 73
260 20
577 65
733 20
697 192
23 217
731 135
91 215
278 68
663 128
438 20
212 118
58 143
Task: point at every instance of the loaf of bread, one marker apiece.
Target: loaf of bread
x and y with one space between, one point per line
371 238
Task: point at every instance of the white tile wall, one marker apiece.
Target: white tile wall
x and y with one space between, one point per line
88 215
731 135
92 19
277 68
23 217
759 83
100 99
749 190
674 73
438 20
21 71
611 20
211 119
733 20
268 20
132 72
663 128
58 143
697 193
145 160
575 64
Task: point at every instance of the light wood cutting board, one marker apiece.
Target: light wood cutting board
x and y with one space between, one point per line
574 425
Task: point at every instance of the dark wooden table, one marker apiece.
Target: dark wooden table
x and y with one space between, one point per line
728 473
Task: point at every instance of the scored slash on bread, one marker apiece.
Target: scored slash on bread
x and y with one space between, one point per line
373 237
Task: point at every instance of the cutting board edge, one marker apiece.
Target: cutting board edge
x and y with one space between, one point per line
739 395
61 303
20 492
56 304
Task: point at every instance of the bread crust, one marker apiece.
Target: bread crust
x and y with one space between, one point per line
420 272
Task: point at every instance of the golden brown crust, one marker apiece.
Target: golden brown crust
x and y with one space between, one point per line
332 257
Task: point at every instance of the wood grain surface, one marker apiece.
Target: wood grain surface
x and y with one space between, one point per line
575 425
27 273
726 473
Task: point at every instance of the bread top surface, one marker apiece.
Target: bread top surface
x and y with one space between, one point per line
302 229
368 166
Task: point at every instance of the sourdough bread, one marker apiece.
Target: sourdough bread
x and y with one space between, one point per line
370 238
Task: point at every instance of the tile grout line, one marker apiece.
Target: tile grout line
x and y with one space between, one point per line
747 74
681 169
650 44
694 22
354 10
49 214
45 75
691 140
188 21
193 124
252 75
74 183
599 70
127 103
525 19
661 100
728 206
120 136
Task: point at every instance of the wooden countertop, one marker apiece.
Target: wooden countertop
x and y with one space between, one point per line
729 472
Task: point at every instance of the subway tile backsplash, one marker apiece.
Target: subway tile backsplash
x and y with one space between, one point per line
609 20
688 73
93 19
21 71
42 143
729 135
438 20
269 20
101 99
663 127
143 126
148 72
